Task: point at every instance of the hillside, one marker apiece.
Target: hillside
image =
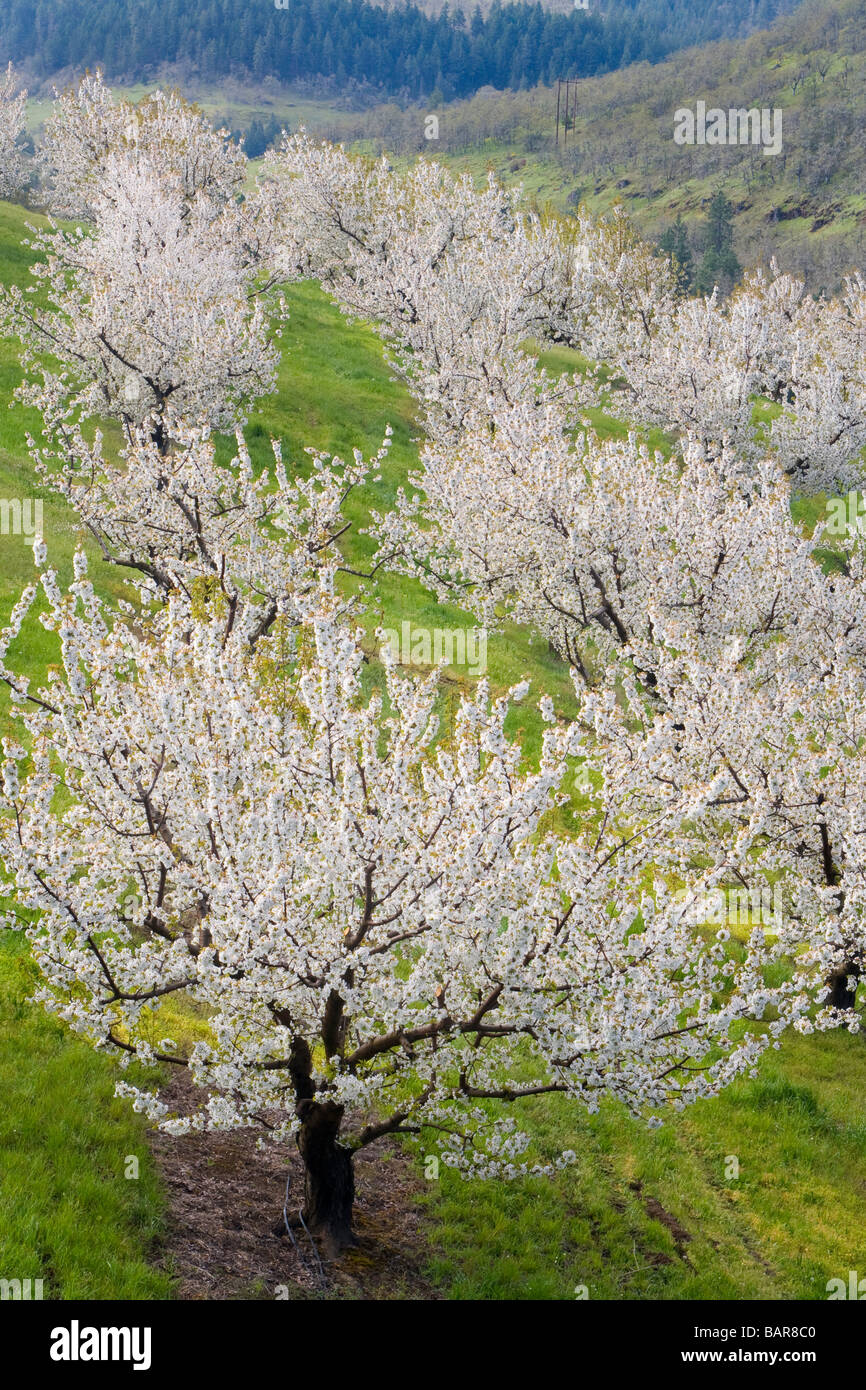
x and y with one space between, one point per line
642 1214
806 205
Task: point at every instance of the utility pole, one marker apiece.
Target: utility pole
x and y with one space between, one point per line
565 108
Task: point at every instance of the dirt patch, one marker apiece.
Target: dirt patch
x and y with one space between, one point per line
225 1201
656 1212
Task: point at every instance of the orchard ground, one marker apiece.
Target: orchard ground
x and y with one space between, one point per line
642 1214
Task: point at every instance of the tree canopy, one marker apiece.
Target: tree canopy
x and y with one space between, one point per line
399 51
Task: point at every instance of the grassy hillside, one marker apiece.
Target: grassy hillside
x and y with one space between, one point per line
807 205
643 1214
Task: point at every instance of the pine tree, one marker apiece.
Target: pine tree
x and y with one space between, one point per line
719 265
675 243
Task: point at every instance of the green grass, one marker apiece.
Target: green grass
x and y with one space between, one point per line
18 478
643 1214
69 1215
335 393
786 1225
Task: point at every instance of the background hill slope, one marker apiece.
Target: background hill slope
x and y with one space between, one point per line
368 48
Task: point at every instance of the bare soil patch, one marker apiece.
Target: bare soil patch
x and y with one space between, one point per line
225 1201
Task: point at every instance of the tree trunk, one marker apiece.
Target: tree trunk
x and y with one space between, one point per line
329 1179
840 996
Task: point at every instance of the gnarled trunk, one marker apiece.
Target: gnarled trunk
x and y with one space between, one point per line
329 1179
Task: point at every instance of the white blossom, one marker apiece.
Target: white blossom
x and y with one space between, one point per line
13 168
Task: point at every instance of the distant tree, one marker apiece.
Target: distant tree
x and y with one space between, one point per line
675 244
260 136
720 216
719 265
